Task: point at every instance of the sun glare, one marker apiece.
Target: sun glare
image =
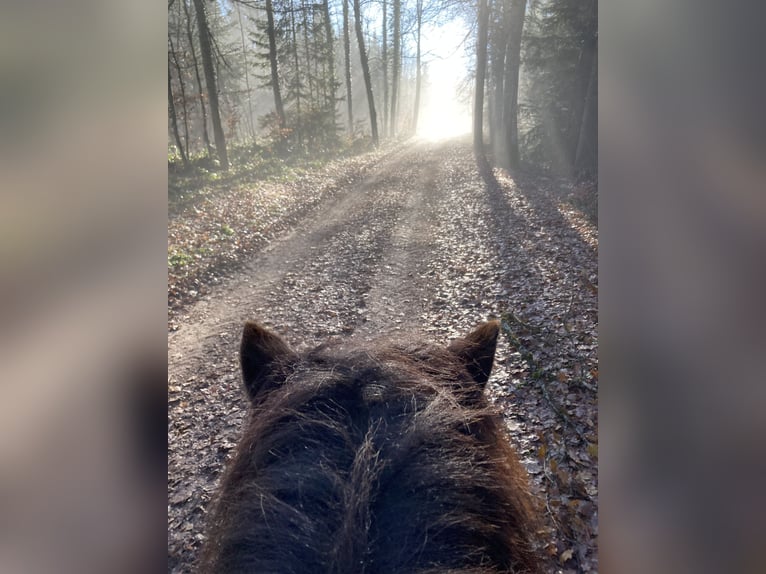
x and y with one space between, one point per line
442 113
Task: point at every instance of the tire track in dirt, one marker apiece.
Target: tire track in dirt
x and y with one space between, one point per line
245 294
401 290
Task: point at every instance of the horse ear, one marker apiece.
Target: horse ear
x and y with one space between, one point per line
477 350
264 357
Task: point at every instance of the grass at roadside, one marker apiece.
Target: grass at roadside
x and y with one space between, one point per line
190 185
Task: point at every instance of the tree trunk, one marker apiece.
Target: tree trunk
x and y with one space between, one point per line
511 84
585 152
588 54
330 59
298 130
205 134
181 81
498 42
494 122
174 123
366 72
307 56
481 71
397 64
273 64
347 68
247 75
183 93
384 59
418 73
212 88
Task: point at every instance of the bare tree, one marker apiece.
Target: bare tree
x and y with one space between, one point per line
584 113
384 64
418 66
212 89
481 71
511 83
307 53
190 37
347 67
366 71
174 122
247 74
182 86
274 64
586 140
180 73
397 64
296 77
498 41
329 60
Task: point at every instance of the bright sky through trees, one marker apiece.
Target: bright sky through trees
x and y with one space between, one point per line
444 113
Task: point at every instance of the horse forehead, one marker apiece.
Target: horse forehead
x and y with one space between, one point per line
374 378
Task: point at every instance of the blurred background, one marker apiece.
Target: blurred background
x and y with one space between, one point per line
683 232
82 274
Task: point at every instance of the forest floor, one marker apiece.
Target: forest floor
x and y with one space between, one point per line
408 239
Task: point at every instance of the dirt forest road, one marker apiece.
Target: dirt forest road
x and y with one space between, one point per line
421 245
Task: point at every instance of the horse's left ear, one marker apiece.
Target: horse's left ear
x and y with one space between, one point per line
264 357
477 350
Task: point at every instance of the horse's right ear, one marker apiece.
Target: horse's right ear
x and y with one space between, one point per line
264 357
477 351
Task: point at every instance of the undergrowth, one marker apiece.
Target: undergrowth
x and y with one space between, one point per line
188 185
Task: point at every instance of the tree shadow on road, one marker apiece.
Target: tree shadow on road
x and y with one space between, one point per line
548 271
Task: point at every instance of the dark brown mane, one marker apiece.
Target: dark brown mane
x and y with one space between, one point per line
385 459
